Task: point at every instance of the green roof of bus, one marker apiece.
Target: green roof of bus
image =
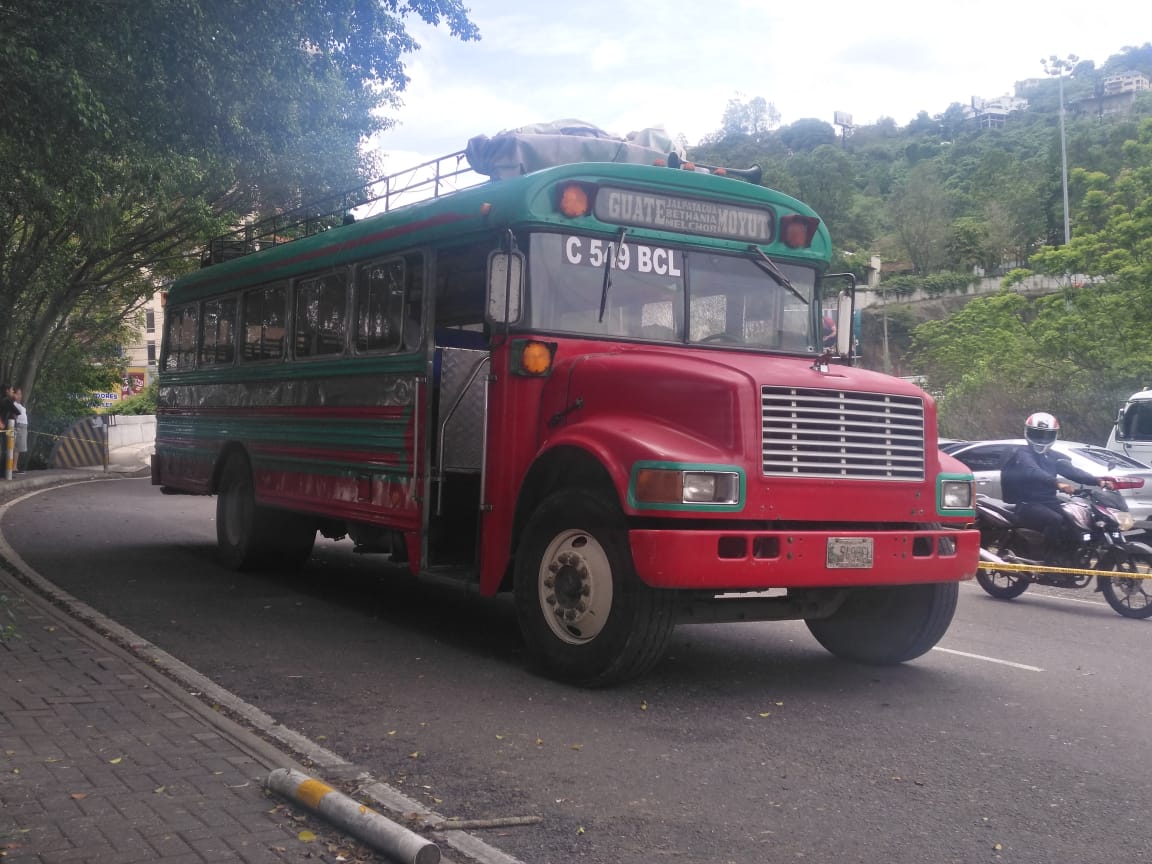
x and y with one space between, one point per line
523 201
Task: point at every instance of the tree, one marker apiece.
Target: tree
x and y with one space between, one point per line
754 116
923 124
135 130
1077 353
921 213
953 121
806 135
825 180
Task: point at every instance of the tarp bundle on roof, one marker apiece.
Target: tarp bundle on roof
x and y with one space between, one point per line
562 142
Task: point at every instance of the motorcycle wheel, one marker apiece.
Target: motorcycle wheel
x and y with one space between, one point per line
1130 596
1003 584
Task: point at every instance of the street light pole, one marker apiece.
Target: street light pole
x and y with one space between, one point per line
1058 66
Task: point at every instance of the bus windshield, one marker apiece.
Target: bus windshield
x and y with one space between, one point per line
669 294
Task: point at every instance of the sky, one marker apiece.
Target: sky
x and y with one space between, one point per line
625 65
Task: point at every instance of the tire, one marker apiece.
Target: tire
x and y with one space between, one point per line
1003 584
250 537
1129 596
884 626
586 617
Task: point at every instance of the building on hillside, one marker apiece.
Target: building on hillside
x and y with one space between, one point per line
1126 82
1116 94
992 113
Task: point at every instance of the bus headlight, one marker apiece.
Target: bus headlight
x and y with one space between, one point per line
707 487
956 494
675 486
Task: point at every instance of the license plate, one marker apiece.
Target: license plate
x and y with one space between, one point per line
853 553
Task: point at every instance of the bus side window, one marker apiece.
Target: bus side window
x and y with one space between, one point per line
218 332
263 314
321 315
461 295
180 350
381 306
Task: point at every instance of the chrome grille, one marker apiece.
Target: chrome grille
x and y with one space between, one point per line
834 433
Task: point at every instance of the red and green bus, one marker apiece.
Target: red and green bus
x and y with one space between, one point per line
602 387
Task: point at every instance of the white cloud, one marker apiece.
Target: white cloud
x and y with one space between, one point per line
627 65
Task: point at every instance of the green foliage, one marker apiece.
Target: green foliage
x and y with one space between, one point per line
1015 277
143 402
1002 357
132 132
950 197
934 284
806 135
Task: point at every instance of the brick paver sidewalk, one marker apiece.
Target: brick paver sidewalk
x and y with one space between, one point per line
102 763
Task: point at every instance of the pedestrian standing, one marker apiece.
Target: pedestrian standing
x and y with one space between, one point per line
8 413
21 429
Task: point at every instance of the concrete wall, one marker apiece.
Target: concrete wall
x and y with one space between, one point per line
866 298
126 429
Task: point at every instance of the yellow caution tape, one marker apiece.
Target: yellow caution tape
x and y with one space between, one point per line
1040 568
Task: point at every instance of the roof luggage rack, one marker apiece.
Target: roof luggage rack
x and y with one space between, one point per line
429 179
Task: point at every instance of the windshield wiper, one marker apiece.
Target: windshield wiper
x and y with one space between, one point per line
610 262
772 269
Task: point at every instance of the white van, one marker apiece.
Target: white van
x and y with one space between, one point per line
1132 431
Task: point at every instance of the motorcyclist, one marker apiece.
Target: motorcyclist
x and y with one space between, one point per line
1030 478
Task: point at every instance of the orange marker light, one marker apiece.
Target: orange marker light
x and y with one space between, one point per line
797 231
659 486
536 358
574 201
485 209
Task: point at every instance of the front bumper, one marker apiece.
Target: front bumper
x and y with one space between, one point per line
733 560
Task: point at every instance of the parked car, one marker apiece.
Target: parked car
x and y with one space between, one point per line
1132 478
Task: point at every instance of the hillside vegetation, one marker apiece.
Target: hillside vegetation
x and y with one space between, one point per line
944 196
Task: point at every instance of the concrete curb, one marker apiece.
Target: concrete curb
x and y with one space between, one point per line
359 820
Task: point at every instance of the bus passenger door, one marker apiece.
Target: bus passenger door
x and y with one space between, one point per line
459 412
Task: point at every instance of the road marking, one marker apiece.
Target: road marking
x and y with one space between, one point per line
1048 596
1023 666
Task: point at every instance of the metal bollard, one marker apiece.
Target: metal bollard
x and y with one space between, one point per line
9 449
361 821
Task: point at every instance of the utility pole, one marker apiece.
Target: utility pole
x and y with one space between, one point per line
1056 67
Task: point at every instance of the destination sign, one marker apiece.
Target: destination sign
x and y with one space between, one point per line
684 215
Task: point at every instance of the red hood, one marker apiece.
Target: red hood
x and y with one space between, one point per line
662 405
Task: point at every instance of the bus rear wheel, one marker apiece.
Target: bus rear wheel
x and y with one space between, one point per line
585 615
883 626
251 537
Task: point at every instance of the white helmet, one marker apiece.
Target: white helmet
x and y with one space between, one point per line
1041 431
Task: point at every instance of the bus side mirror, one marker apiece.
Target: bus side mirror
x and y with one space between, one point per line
845 306
505 287
845 314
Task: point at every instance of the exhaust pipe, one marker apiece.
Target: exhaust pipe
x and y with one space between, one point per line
985 555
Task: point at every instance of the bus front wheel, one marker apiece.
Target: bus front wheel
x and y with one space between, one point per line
883 626
585 615
251 537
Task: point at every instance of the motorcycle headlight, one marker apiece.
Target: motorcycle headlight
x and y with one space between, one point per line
1125 520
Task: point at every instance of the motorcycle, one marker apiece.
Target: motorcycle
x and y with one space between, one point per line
1095 521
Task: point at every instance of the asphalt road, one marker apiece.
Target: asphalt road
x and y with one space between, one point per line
1022 738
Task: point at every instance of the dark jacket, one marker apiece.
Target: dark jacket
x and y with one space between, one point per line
1031 477
8 411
